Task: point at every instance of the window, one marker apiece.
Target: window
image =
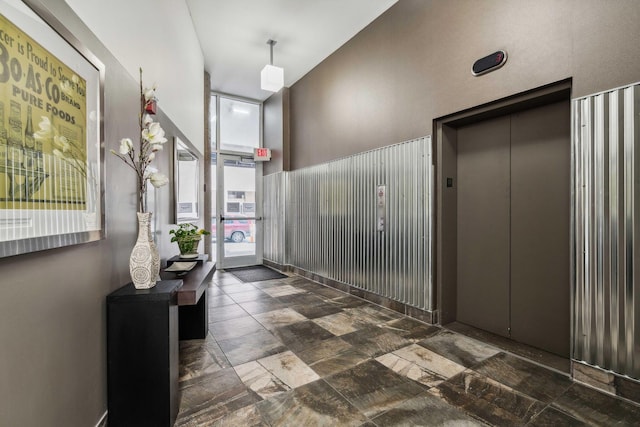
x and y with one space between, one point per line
239 125
233 207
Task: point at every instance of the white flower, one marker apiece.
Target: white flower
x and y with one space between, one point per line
150 93
147 120
154 134
126 145
150 170
151 138
158 180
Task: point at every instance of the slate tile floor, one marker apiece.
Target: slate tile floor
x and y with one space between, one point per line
291 352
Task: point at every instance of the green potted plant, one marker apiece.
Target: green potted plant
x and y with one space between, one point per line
188 236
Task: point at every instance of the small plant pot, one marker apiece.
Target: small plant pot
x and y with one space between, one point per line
189 246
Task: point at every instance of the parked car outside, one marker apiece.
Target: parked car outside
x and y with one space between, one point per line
235 230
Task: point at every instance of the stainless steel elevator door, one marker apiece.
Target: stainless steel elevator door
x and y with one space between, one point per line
513 226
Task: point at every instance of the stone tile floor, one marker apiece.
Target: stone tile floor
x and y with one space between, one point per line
292 352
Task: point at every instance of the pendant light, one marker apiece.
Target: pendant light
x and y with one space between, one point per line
271 77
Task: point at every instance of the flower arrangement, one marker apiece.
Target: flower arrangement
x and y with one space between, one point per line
151 141
188 237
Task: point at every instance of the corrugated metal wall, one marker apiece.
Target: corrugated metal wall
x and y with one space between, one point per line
331 221
274 218
606 185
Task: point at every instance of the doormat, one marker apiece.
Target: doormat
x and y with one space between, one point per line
255 273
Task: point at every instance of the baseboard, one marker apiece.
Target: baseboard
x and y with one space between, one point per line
281 267
416 313
606 381
103 420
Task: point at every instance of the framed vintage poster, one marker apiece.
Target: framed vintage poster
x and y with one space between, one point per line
50 133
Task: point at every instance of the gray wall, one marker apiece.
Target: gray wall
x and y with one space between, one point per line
52 303
276 131
413 64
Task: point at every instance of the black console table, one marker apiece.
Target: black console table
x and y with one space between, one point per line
201 258
143 355
192 296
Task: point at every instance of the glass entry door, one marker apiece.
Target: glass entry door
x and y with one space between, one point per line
238 211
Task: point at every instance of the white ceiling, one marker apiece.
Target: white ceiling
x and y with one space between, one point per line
233 36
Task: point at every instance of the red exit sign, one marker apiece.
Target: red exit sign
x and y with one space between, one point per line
261 154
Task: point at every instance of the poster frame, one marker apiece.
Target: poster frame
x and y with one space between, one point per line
94 140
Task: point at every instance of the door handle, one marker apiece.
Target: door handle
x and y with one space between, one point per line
259 218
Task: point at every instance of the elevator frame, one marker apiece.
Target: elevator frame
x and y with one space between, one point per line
445 212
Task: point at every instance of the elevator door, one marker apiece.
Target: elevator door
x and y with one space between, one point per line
513 226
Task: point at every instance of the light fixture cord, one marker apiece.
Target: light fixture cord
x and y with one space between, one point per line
271 43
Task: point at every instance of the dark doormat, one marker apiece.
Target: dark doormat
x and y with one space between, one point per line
255 273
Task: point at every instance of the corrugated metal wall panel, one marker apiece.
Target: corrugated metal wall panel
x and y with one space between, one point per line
331 221
606 172
274 217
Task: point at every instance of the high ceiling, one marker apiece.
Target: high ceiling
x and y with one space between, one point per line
233 36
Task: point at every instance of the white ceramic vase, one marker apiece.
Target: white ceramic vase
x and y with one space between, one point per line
144 262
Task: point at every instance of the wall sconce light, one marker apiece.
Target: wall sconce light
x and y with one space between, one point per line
271 77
